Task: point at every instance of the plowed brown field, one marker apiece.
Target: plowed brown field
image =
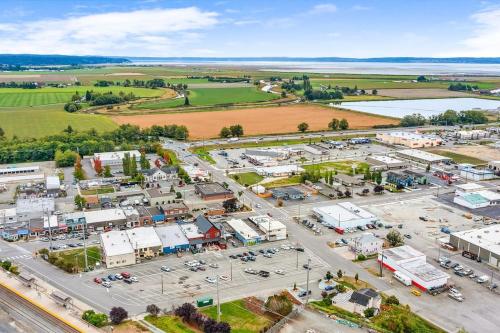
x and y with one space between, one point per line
257 121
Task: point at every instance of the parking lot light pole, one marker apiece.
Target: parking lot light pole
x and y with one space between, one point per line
218 301
307 284
162 283
231 265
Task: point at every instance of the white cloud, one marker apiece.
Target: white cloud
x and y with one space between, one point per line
246 22
154 32
485 38
323 8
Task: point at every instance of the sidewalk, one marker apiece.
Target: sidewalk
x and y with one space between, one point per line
40 297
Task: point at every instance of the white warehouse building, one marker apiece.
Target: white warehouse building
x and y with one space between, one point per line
413 264
116 249
115 158
273 230
344 215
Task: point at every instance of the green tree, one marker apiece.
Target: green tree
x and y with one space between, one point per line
328 276
368 174
428 168
340 288
369 312
412 120
133 166
186 101
374 92
126 164
153 309
343 124
236 130
79 174
302 127
334 124
283 94
392 300
225 132
356 278
339 274
79 201
2 133
144 161
394 238
107 171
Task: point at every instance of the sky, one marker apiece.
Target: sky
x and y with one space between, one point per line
234 28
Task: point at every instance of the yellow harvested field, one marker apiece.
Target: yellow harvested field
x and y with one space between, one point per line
125 74
257 121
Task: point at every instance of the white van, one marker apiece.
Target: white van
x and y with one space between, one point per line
402 278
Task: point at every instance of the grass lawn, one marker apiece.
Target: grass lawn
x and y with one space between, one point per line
170 324
35 122
213 96
293 180
93 256
239 317
18 97
391 319
340 166
102 190
458 158
247 178
129 326
204 155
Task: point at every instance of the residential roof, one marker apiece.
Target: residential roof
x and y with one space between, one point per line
115 243
104 215
143 237
368 237
203 224
212 189
150 172
171 235
486 238
242 229
363 296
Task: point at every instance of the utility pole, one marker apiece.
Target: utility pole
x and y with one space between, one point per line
381 262
85 243
218 300
162 283
231 265
307 285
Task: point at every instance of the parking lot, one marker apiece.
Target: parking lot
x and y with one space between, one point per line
181 284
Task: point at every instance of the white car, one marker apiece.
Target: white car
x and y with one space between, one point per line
134 279
63 246
285 247
213 265
118 276
166 269
210 279
224 277
106 284
279 272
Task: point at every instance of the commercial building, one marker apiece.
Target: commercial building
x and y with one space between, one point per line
196 173
367 244
172 238
274 153
472 134
99 219
145 242
279 171
347 180
243 232
174 211
399 179
495 167
484 242
412 263
287 193
115 158
116 249
159 196
264 161
316 149
273 229
213 191
380 162
418 177
211 232
12 174
157 174
476 174
422 156
52 185
344 215
408 139
194 236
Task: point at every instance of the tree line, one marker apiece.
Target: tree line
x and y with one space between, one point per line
449 117
22 85
71 143
151 84
462 87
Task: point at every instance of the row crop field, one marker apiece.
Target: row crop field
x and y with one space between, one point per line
17 97
213 96
363 83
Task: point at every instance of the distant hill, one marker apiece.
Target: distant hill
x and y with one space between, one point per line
458 60
56 60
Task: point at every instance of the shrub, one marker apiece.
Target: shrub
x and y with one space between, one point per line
279 304
117 315
96 319
153 309
361 257
393 300
369 312
340 288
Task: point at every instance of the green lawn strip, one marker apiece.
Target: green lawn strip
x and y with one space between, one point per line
458 158
102 190
35 122
77 256
169 324
391 319
173 156
239 317
247 178
282 142
204 155
293 180
340 166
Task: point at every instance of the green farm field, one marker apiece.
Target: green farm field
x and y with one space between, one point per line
213 96
17 97
35 122
387 83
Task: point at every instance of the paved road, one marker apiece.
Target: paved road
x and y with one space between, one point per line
31 315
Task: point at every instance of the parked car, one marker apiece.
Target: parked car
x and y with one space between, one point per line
166 269
299 249
304 293
268 255
306 266
232 256
329 288
112 277
210 279
224 277
106 284
125 275
279 272
458 298
264 273
97 280
120 276
250 271
213 265
134 279
129 281
407 236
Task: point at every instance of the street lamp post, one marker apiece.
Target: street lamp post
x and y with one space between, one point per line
307 284
218 300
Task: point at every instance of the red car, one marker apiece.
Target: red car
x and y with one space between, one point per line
125 275
97 280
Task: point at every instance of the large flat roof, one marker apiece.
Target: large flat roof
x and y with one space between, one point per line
470 186
345 211
97 216
171 235
404 252
242 228
424 271
116 243
411 135
385 159
423 155
487 238
143 237
116 155
211 188
190 230
280 168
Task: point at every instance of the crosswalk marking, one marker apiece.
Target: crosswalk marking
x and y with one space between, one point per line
23 256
